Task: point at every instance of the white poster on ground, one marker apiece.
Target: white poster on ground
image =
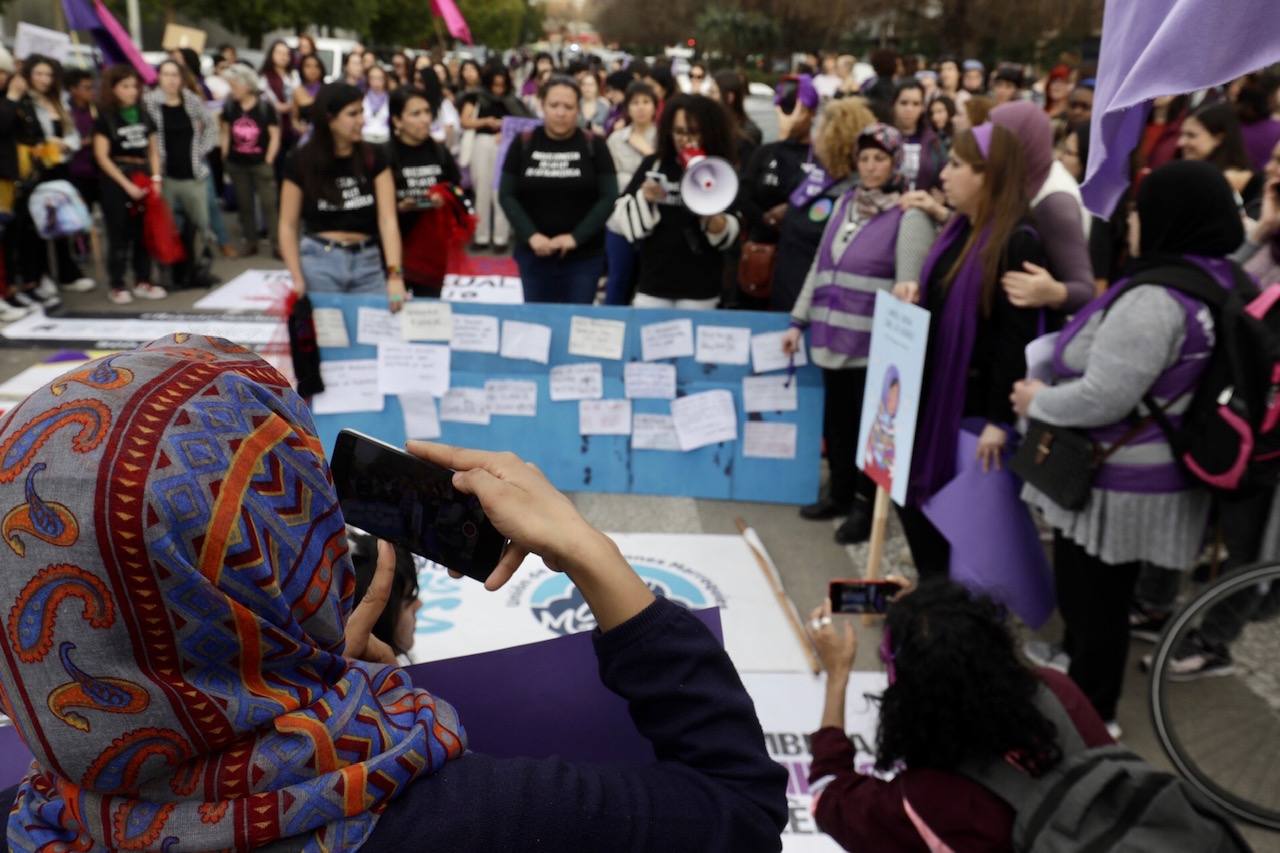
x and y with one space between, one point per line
254 291
124 332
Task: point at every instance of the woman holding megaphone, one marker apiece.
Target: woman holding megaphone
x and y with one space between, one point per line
681 263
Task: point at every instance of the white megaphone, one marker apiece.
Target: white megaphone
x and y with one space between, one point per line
709 184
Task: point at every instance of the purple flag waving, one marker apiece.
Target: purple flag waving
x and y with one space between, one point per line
1165 47
117 48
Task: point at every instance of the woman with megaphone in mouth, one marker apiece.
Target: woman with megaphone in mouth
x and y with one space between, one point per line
681 260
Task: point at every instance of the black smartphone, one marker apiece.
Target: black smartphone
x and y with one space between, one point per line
861 596
412 502
785 96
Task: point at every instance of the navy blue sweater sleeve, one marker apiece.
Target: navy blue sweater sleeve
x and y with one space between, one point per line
712 788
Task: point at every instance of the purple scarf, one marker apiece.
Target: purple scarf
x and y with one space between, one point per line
951 337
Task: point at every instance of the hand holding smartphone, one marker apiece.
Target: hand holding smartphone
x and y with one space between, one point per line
848 595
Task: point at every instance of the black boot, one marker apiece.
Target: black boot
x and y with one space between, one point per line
824 509
857 527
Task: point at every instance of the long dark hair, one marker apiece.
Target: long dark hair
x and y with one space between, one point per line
428 81
1220 119
111 78
268 67
923 125
311 58
715 129
54 95
733 93
959 693
400 99
316 158
950 106
404 584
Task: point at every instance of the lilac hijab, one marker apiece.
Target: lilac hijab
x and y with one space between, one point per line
1029 123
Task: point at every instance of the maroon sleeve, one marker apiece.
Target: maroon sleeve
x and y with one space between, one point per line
1091 727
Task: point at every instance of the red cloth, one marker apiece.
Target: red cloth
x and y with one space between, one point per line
159 232
439 235
864 813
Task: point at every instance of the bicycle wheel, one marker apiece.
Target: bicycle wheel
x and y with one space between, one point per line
1223 733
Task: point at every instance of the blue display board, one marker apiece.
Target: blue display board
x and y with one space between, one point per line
606 463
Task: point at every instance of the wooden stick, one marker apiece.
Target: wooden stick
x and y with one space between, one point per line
784 601
879 530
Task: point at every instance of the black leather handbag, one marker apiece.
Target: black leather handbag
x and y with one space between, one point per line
1062 462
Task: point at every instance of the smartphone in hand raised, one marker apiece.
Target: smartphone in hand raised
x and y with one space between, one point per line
861 596
412 502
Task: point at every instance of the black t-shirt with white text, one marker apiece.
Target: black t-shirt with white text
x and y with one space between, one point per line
557 181
249 132
128 138
347 203
418 168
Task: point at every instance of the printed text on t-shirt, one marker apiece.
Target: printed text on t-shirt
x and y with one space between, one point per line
554 164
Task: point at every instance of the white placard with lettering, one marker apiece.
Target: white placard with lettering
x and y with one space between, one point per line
593 338
604 417
349 386
30 40
465 406
528 341
768 440
426 320
413 369
515 397
650 381
491 289
474 333
331 328
653 432
583 381
767 354
773 393
671 339
421 419
724 345
375 326
705 418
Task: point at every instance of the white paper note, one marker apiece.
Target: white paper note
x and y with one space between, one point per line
349 386
672 339
421 419
375 326
529 341
650 381
724 345
767 354
705 418
474 333
413 369
584 381
505 290
764 440
515 397
331 328
1040 357
465 406
426 320
774 393
653 432
593 338
604 417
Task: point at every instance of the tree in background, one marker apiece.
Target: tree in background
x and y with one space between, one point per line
734 33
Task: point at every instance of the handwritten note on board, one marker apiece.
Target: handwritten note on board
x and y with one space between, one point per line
465 406
604 417
421 418
584 381
650 381
767 354
331 328
426 320
413 369
769 440
723 345
528 341
474 333
672 339
349 386
595 338
773 393
653 432
705 418
514 397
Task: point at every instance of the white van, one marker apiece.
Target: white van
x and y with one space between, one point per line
331 52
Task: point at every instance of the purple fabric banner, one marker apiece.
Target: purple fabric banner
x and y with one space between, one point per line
116 45
995 547
1164 47
453 19
564 709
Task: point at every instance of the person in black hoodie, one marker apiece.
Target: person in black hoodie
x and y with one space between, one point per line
681 264
13 87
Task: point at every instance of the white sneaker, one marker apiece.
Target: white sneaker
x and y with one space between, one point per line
9 313
1046 654
1113 729
119 296
46 288
25 299
80 285
149 291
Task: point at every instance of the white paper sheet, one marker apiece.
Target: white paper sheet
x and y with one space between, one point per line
349 386
1040 357
772 393
515 397
375 326
767 354
413 369
421 419
650 381
724 345
604 417
768 440
465 406
705 418
331 328
475 333
489 289
590 337
672 339
582 381
528 341
653 432
426 320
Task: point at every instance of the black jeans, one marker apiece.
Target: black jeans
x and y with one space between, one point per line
840 418
930 550
125 246
1244 520
1093 598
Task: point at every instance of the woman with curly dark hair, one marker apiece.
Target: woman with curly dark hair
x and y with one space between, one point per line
958 695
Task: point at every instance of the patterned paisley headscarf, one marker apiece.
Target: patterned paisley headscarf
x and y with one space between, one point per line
178 568
870 203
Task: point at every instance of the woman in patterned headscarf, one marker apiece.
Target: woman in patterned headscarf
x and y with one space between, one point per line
870 243
180 652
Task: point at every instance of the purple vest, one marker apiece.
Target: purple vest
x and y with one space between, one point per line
1173 386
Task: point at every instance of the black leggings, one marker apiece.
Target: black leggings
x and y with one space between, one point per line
840 418
125 246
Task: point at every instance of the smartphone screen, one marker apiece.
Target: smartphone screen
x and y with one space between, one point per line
786 94
859 596
412 502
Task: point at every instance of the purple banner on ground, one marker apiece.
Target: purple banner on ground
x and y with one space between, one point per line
563 709
995 547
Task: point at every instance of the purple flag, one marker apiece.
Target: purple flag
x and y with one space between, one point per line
116 45
453 19
995 547
1152 48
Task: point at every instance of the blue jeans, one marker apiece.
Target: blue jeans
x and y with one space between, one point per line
557 279
340 271
622 269
215 213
